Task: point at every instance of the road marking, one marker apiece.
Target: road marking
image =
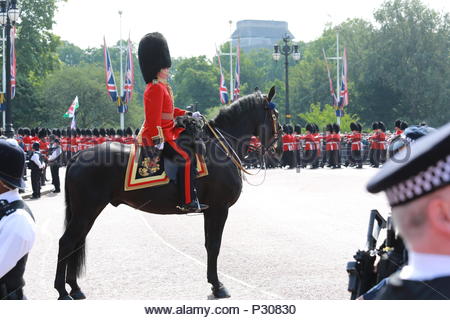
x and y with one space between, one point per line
243 283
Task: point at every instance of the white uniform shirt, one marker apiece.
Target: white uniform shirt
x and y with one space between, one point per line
422 267
17 234
36 159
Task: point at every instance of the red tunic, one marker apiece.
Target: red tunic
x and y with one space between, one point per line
128 140
288 142
309 142
74 144
64 143
159 114
27 141
355 140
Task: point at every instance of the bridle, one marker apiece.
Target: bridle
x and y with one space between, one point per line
229 151
271 108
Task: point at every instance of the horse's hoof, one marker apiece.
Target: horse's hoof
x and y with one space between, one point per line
66 297
77 295
220 292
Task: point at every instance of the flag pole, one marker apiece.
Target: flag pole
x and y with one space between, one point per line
122 114
231 64
338 118
4 78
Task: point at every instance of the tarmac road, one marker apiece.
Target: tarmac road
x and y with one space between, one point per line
289 238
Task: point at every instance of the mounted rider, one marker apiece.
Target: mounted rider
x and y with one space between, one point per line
159 125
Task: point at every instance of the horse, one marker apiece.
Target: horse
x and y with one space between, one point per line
95 178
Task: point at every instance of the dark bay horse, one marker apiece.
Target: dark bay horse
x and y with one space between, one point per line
95 178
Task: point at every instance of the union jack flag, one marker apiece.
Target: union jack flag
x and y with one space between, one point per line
343 96
13 62
223 91
110 80
237 81
129 76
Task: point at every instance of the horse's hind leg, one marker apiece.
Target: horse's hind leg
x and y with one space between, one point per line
215 219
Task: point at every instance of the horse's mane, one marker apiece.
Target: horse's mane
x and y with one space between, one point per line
238 109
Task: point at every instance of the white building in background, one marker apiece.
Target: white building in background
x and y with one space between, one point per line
258 34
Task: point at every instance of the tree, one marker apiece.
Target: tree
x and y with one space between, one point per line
327 115
86 82
36 57
408 73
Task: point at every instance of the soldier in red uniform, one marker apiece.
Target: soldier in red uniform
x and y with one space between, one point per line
297 145
356 145
382 143
159 126
374 152
310 146
288 147
27 139
128 139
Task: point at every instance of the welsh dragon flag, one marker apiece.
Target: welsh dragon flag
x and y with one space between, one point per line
73 107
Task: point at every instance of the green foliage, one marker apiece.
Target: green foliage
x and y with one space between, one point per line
326 115
398 68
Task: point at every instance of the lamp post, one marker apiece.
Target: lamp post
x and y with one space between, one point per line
9 13
286 50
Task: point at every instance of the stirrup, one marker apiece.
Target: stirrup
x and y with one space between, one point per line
194 207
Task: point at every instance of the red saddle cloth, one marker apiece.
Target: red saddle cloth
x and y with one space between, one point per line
147 170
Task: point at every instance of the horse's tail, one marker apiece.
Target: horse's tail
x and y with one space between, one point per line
77 258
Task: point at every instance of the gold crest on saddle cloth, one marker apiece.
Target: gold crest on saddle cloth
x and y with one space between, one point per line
149 166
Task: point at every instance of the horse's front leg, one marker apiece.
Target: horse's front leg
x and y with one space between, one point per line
215 219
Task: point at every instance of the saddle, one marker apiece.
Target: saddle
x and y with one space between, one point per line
148 168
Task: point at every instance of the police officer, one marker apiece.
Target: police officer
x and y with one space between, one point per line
17 228
54 161
36 166
418 190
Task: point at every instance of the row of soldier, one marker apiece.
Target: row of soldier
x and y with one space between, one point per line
332 148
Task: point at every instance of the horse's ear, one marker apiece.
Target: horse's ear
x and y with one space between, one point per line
271 94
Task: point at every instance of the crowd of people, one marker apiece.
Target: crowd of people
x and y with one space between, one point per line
45 148
332 148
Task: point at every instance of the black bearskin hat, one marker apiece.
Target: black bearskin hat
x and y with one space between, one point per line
88 132
64 133
154 55
289 129
119 132
359 127
42 133
136 132
309 128
102 132
353 126
336 128
375 126
95 132
397 123
20 131
78 131
129 132
329 127
297 128
381 126
26 131
403 125
316 128
57 133
112 132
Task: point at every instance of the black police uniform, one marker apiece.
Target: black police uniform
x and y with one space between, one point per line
416 171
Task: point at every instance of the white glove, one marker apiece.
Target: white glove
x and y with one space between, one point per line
160 146
197 115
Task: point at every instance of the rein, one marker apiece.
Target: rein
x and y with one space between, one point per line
230 154
229 151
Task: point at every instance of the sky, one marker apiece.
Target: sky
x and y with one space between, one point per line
195 27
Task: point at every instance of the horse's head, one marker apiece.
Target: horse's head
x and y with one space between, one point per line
269 129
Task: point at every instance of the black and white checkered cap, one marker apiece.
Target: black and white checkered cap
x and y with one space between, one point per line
424 169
